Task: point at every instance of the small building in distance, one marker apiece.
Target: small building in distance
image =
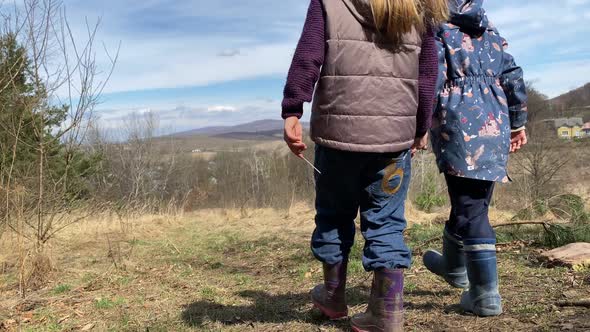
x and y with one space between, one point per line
586 129
570 128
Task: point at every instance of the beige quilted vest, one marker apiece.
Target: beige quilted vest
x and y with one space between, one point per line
367 97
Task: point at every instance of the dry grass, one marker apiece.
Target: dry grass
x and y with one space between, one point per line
251 270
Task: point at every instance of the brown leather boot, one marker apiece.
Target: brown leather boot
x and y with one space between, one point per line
386 305
330 298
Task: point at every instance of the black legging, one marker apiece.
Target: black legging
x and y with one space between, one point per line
470 202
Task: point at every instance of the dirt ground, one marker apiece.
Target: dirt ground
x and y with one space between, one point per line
252 271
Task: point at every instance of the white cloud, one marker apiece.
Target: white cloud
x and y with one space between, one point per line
222 108
193 42
181 118
185 62
544 36
557 78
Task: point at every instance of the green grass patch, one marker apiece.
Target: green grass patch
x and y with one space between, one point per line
124 320
49 327
418 234
49 319
410 287
356 252
223 242
106 303
88 277
302 271
8 278
356 267
301 256
186 272
53 326
209 293
429 197
530 309
124 281
61 289
243 279
138 242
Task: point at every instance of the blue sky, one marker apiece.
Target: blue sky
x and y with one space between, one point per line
198 63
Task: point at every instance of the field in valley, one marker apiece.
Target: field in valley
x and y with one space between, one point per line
251 270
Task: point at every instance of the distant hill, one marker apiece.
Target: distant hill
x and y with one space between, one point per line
262 129
253 136
575 103
578 98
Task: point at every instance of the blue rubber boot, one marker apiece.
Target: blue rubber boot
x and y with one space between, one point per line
483 297
450 265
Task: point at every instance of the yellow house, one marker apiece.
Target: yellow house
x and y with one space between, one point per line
564 132
569 128
577 132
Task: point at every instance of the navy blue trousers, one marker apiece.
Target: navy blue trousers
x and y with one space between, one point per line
470 202
375 183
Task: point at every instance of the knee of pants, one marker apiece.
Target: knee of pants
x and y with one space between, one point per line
332 242
396 256
473 227
328 215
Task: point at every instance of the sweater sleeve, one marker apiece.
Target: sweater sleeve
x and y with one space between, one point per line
428 76
307 62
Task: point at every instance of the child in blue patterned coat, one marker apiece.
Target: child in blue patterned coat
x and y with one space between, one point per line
479 120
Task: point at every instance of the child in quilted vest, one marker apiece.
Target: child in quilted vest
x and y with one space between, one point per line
370 66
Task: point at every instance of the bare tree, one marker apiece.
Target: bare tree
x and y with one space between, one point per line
541 161
63 85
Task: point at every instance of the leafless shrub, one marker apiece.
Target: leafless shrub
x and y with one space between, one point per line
55 84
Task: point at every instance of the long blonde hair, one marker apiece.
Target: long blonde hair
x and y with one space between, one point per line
398 17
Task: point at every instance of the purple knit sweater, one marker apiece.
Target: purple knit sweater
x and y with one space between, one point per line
309 57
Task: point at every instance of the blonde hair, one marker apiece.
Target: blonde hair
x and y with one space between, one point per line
398 17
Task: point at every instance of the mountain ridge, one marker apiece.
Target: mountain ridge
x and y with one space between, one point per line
562 105
254 128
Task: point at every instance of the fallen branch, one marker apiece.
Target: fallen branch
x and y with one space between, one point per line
544 223
580 303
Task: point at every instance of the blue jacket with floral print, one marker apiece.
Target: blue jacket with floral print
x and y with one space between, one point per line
481 96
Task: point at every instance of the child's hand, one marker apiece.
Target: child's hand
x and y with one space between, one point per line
294 136
420 143
518 140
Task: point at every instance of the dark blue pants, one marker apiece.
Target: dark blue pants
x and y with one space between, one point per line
378 185
470 202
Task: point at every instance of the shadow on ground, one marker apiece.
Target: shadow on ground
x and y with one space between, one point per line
266 308
278 309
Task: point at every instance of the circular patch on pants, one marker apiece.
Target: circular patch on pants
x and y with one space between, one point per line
391 172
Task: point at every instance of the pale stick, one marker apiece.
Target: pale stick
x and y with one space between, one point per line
310 164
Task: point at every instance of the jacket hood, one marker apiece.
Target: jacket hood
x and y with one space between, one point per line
468 14
361 9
